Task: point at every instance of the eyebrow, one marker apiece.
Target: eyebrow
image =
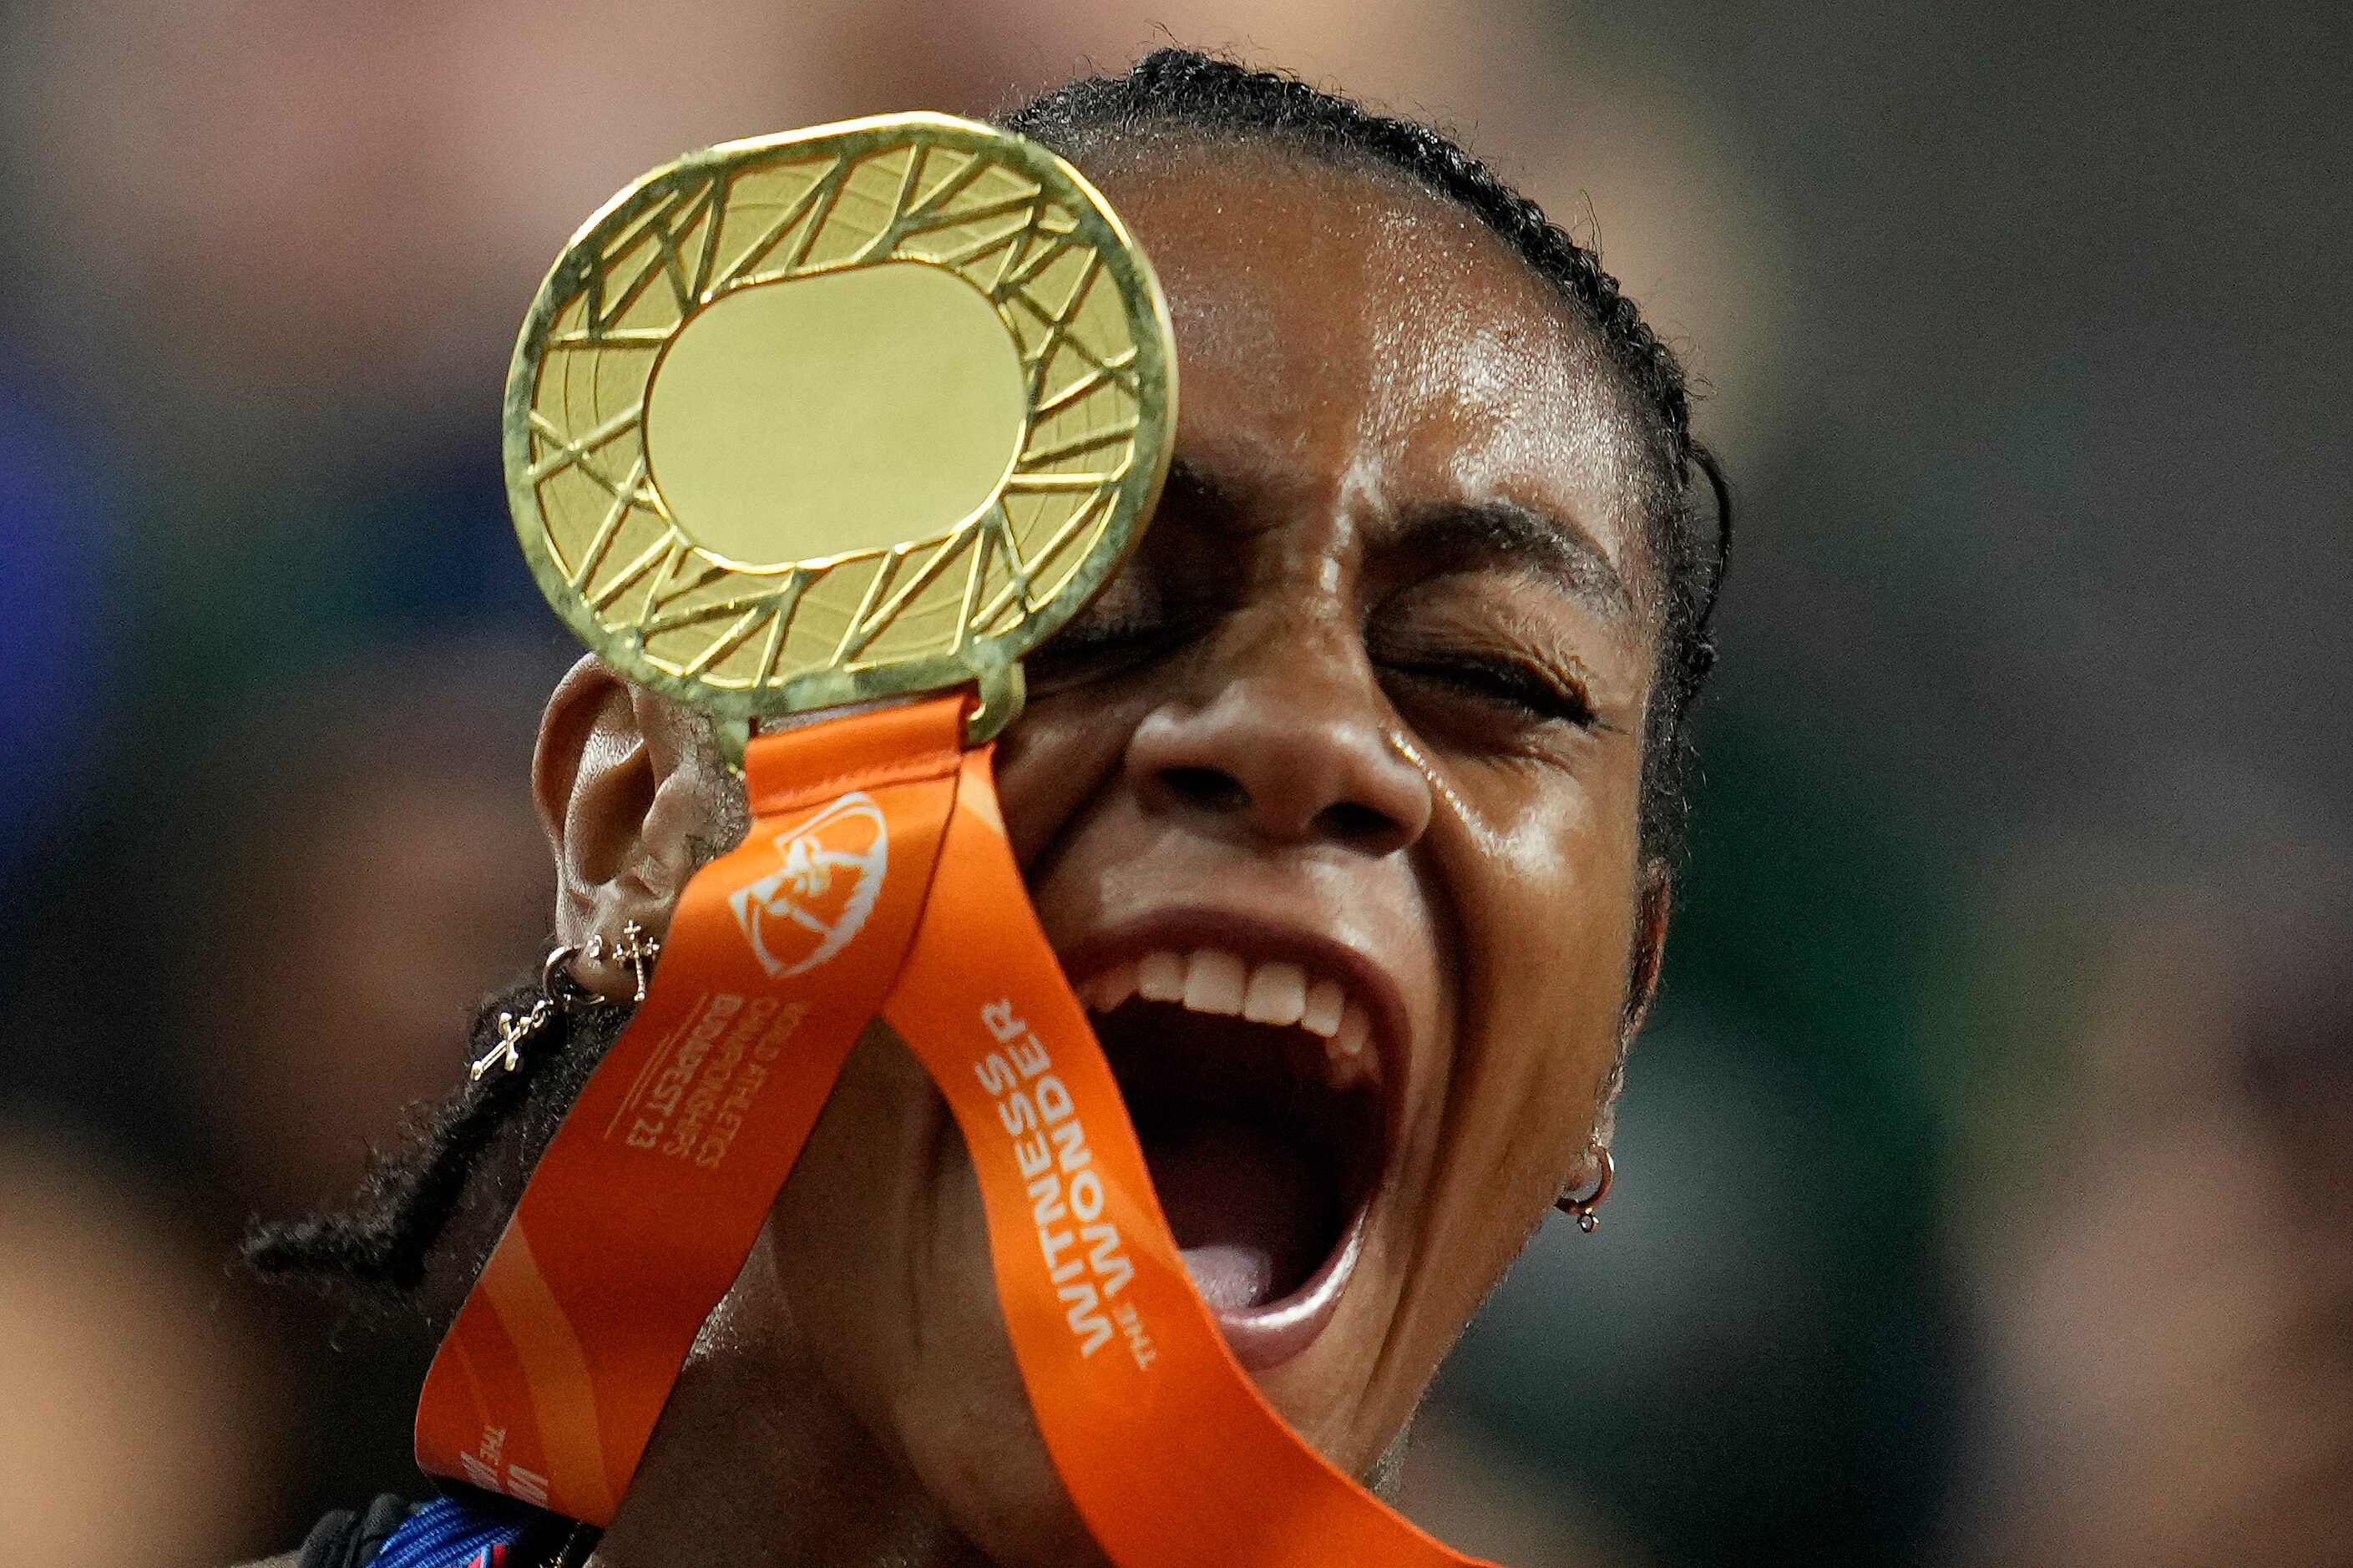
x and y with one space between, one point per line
1495 532
1521 536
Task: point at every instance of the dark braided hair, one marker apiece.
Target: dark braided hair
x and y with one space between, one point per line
379 1245
1181 95
409 1200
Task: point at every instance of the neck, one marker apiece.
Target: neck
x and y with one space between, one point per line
758 1463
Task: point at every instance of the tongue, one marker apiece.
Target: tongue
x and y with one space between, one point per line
1249 1211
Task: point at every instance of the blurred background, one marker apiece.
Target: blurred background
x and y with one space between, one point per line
1985 1184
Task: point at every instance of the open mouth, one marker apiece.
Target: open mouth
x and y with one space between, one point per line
1258 1089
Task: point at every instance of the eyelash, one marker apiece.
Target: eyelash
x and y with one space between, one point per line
1088 648
1501 677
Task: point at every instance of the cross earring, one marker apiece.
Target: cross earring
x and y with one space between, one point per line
638 950
635 949
557 991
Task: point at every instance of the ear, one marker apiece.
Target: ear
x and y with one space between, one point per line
1658 900
632 800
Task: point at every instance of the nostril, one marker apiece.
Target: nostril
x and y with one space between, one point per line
1359 826
1205 789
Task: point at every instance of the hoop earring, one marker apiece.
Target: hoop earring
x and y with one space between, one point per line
557 991
1582 1206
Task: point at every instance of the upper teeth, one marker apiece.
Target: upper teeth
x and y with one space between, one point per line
1210 980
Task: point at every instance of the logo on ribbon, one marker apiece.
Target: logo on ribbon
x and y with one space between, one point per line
799 917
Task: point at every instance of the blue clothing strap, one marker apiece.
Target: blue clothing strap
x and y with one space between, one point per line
449 1533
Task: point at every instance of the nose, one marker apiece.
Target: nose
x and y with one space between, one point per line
1289 746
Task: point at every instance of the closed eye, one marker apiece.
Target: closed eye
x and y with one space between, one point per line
1499 679
1103 643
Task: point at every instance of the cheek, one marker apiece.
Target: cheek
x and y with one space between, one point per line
1542 884
1548 919
1050 763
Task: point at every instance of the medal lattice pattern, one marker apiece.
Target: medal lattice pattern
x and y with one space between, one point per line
1074 294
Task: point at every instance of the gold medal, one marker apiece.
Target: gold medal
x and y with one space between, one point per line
853 412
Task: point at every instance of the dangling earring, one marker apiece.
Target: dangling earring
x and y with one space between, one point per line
635 949
638 950
557 990
1582 1206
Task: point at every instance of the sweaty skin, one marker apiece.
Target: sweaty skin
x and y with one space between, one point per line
1375 679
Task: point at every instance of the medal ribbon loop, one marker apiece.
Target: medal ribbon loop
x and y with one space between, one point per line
877 881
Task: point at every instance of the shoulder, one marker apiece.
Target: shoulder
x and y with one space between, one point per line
283 1560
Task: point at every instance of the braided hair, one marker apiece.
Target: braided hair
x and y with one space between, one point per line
410 1198
1174 94
375 1249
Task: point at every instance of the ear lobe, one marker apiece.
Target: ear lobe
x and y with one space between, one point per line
625 798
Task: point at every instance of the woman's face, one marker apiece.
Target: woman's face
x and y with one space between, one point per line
1364 711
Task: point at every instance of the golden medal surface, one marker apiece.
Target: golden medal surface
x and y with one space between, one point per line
845 413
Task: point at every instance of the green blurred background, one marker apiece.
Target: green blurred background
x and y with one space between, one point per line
1985 1180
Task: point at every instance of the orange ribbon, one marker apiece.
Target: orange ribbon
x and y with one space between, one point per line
876 879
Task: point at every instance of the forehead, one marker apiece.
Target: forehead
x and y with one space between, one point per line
1344 329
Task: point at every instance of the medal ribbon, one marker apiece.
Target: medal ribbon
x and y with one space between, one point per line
876 880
